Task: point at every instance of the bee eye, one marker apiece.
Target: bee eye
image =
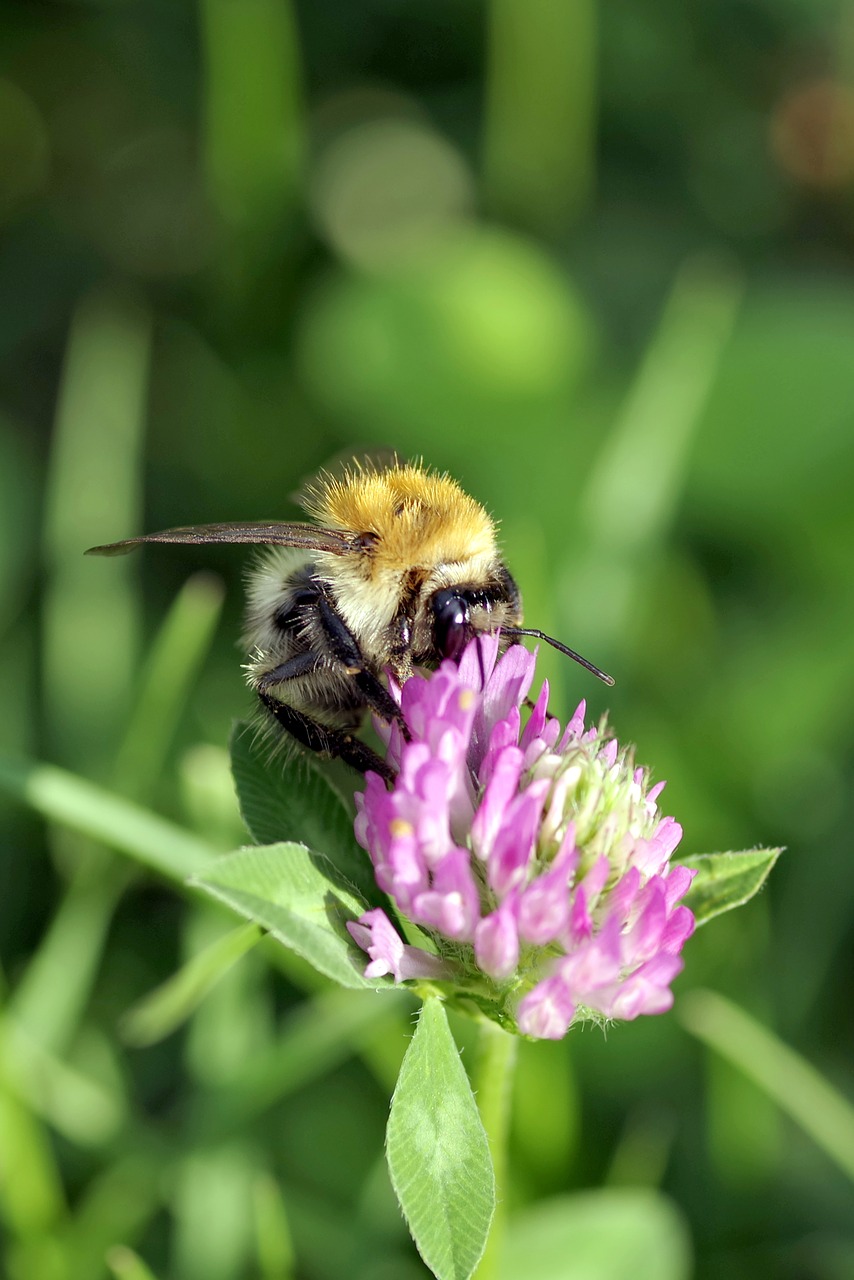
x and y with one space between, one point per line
451 627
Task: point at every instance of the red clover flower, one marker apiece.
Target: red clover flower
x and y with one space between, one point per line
533 862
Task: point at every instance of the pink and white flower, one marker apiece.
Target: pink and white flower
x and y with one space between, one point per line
534 860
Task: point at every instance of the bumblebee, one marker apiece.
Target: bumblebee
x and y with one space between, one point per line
398 569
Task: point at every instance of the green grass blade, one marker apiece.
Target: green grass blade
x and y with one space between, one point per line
784 1075
254 154
90 611
83 807
273 1243
81 1109
169 672
57 983
317 1036
117 1204
54 988
634 487
127 1265
32 1201
212 1207
166 1008
540 116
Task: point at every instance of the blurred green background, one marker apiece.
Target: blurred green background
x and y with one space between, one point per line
597 261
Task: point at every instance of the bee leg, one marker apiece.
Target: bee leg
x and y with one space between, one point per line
324 740
301 664
344 647
380 700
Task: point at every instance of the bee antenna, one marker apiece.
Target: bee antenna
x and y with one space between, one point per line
562 648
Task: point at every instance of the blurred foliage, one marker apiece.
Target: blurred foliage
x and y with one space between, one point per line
596 260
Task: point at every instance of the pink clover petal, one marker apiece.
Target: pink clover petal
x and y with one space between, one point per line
500 790
678 882
537 721
392 737
546 1011
507 687
678 930
544 906
376 935
643 940
609 753
513 849
448 745
622 897
452 904
645 856
654 792
580 923
470 672
533 752
568 853
416 757
496 942
404 872
595 880
369 805
666 837
594 964
435 705
504 734
504 738
647 990
574 728
668 833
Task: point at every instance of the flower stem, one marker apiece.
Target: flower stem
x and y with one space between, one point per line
493 1086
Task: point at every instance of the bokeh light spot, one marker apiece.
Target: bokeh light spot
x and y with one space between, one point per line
484 319
382 188
506 316
812 134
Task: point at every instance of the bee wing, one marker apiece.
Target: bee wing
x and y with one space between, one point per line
260 533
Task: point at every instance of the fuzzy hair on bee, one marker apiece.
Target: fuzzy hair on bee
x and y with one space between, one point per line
399 568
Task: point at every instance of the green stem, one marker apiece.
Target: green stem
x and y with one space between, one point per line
493 1084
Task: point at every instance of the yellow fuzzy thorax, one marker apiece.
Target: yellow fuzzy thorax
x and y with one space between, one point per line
418 517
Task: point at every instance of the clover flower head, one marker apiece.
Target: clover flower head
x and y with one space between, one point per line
532 859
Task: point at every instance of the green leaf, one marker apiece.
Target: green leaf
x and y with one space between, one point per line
290 799
726 880
301 898
631 1234
162 1010
437 1151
